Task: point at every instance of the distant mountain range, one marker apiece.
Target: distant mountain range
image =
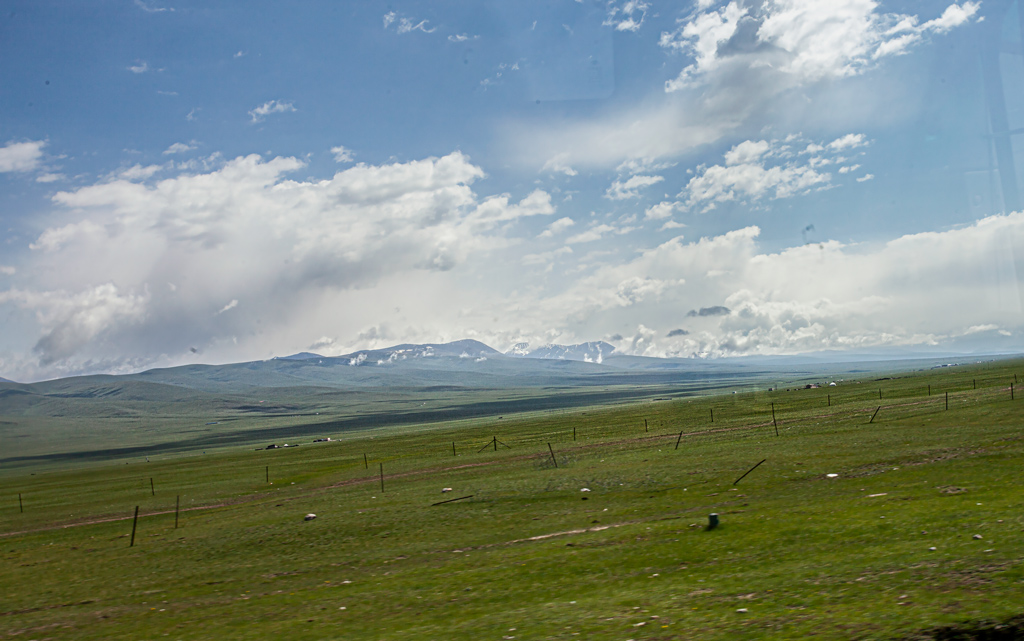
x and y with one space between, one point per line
592 352
464 364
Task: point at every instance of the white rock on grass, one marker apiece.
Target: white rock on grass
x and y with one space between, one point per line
310 517
445 490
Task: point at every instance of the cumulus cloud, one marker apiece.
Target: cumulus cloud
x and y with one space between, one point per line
270 107
801 40
630 188
69 321
755 170
21 156
822 296
738 62
139 67
661 211
245 231
342 154
677 332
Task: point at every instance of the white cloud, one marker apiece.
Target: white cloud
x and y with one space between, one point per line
138 172
661 211
847 169
405 25
849 141
295 251
69 321
806 40
558 165
8 270
630 188
342 154
139 67
628 16
595 232
49 177
557 227
180 148
814 297
865 178
21 156
740 64
746 152
150 8
954 16
642 166
233 304
461 37
748 174
270 107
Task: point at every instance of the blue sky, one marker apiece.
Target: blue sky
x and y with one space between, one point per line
191 183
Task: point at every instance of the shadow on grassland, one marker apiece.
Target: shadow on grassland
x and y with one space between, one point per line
564 400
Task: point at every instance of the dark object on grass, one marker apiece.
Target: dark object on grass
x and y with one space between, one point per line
553 459
451 500
872 419
679 439
748 471
381 477
177 506
713 520
21 506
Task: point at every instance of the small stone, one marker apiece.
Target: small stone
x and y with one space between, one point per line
742 610
585 489
445 489
310 517
976 537
932 549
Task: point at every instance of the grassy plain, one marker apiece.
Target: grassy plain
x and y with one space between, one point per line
799 553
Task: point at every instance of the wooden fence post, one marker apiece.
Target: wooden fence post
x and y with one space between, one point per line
135 522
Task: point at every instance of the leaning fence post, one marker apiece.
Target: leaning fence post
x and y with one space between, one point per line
135 521
553 459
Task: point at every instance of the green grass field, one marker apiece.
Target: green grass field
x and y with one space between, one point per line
921 527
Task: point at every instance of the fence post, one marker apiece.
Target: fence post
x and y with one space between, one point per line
135 522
